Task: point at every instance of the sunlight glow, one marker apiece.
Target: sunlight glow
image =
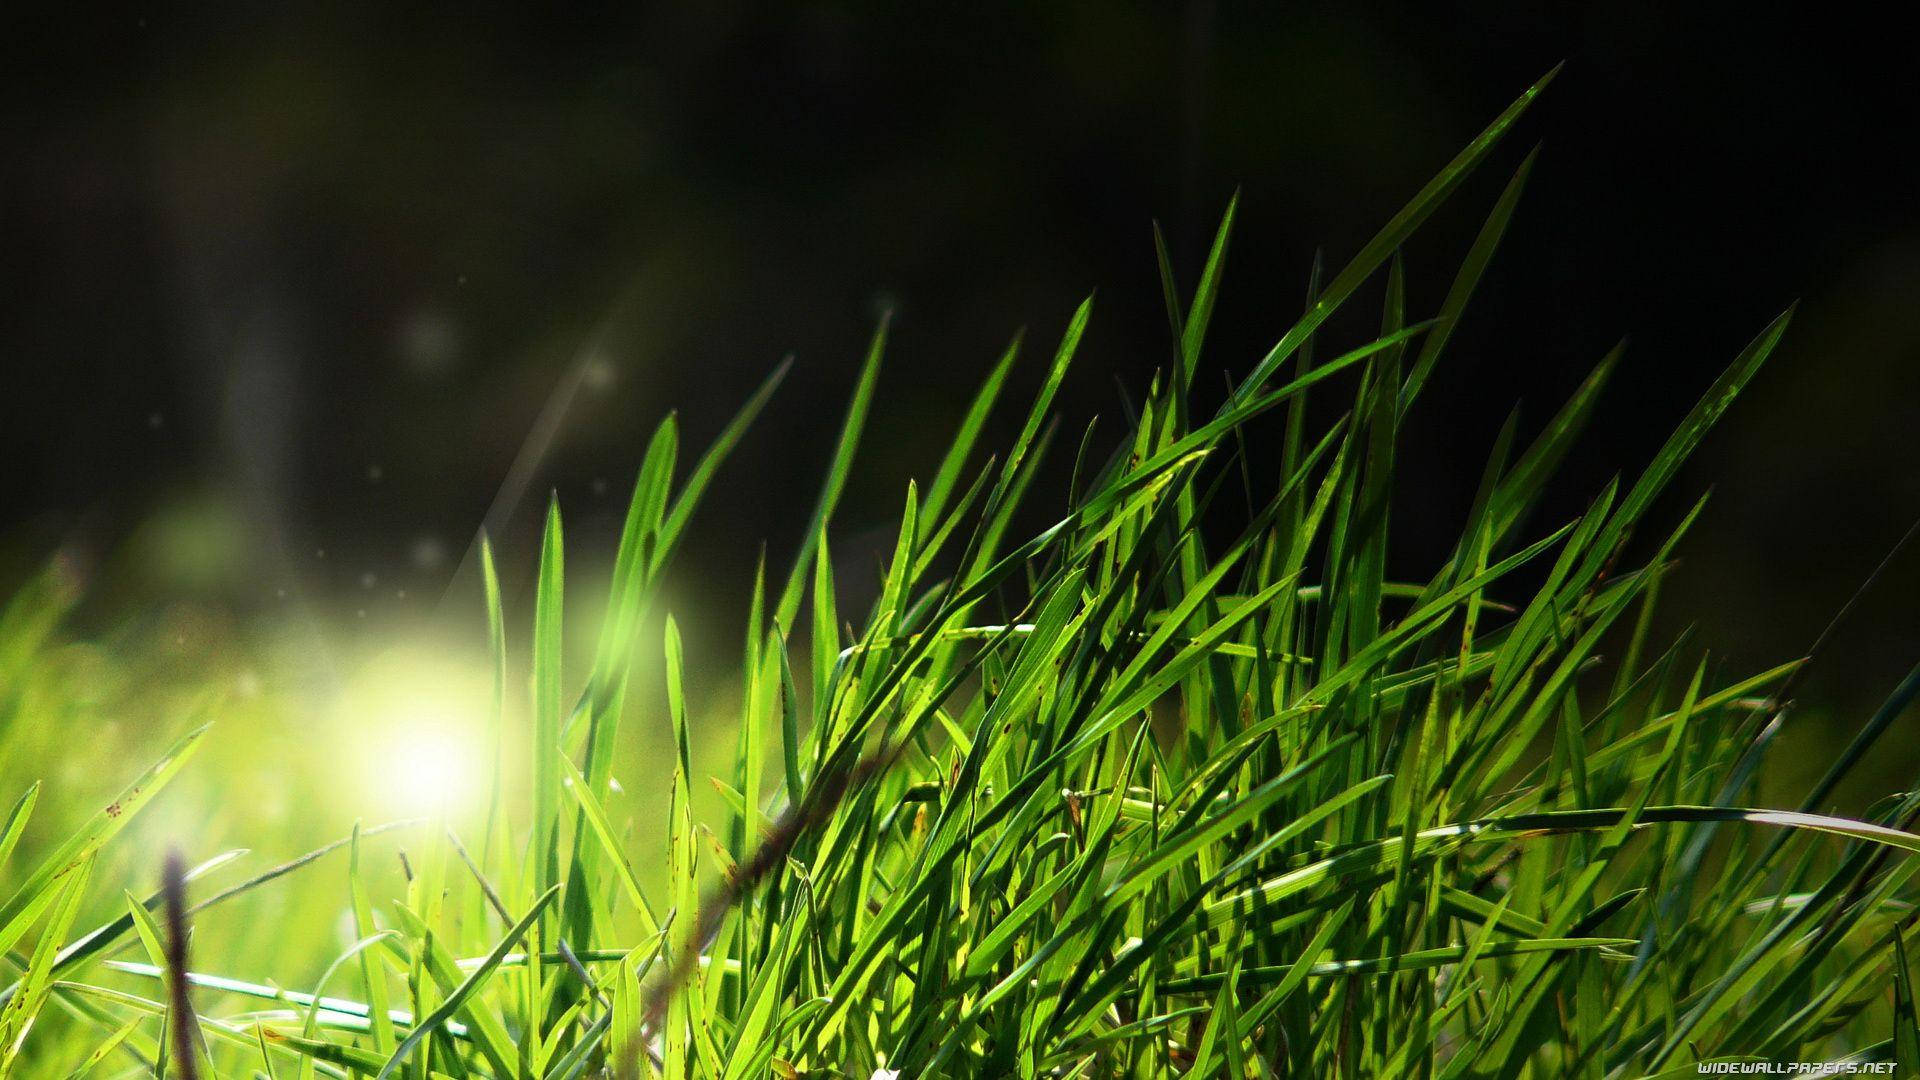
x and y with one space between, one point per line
434 767
422 729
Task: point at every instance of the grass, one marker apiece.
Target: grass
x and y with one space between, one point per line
1180 784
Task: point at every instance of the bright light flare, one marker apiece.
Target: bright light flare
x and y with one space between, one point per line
421 725
433 766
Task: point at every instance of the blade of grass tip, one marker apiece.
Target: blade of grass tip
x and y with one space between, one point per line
602 701
34 892
1169 289
837 471
1465 280
1519 487
1037 416
789 719
1296 425
152 938
474 980
496 845
547 718
676 1008
897 581
753 675
983 547
626 594
601 827
697 481
826 636
100 1052
1680 445
17 820
960 447
1390 238
497 707
646 512
1194 332
759 698
1202 440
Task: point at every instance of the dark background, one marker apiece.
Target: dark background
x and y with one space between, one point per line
276 283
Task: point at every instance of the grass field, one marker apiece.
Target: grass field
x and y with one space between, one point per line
1181 783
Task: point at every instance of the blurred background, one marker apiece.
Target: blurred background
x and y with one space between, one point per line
293 299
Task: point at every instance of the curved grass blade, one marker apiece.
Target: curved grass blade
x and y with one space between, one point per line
477 978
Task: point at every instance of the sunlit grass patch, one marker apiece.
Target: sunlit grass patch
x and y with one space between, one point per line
1180 781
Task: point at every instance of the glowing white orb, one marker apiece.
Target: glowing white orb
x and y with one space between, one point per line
435 768
419 724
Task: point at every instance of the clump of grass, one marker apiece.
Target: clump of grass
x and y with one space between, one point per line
1131 795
